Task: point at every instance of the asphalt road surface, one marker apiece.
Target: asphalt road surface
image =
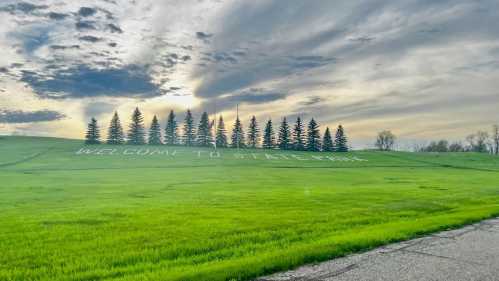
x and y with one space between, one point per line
467 254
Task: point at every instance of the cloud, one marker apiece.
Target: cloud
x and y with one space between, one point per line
253 96
114 28
205 37
90 38
87 11
333 59
19 116
60 47
22 7
57 16
96 109
82 81
83 25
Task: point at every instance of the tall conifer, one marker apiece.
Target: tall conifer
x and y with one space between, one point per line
284 139
298 135
92 135
171 137
268 136
155 132
327 141
204 136
237 138
115 134
341 141
189 135
313 136
136 132
253 133
221 135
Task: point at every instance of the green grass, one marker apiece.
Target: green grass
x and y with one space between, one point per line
65 216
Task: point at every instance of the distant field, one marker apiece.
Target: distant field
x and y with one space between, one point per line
69 212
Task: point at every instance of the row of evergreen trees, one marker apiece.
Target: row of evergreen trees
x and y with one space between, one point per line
288 138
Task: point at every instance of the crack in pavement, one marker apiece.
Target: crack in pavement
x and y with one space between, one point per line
443 257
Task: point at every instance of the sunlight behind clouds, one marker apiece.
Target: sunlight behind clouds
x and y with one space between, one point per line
370 65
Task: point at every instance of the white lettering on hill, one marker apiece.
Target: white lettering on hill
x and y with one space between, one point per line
216 154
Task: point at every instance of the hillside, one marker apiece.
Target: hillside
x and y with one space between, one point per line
75 212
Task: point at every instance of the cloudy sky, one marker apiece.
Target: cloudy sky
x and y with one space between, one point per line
423 68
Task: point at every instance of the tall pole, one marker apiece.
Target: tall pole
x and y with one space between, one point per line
237 122
215 125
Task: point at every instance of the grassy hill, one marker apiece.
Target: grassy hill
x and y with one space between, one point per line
70 212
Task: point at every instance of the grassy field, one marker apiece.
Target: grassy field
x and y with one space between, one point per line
180 214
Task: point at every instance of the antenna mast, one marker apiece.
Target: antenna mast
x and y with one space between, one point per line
238 123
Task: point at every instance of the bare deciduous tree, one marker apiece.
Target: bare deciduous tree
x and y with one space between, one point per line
385 141
495 139
478 142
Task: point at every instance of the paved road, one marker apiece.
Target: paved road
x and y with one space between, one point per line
467 254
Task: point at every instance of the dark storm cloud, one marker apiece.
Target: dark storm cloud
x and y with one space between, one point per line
19 116
83 81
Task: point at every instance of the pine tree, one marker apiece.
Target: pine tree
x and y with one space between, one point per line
268 136
237 138
313 136
298 135
171 130
136 133
341 141
115 134
155 132
221 135
93 133
253 133
327 141
189 135
284 139
204 137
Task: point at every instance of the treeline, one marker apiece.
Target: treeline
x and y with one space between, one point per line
209 134
481 141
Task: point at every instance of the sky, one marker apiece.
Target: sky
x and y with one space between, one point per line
423 69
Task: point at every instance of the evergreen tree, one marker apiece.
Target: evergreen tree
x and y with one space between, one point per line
237 138
268 136
313 136
253 133
204 137
171 130
298 135
341 140
189 135
221 135
327 141
155 132
284 139
93 133
115 134
136 133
